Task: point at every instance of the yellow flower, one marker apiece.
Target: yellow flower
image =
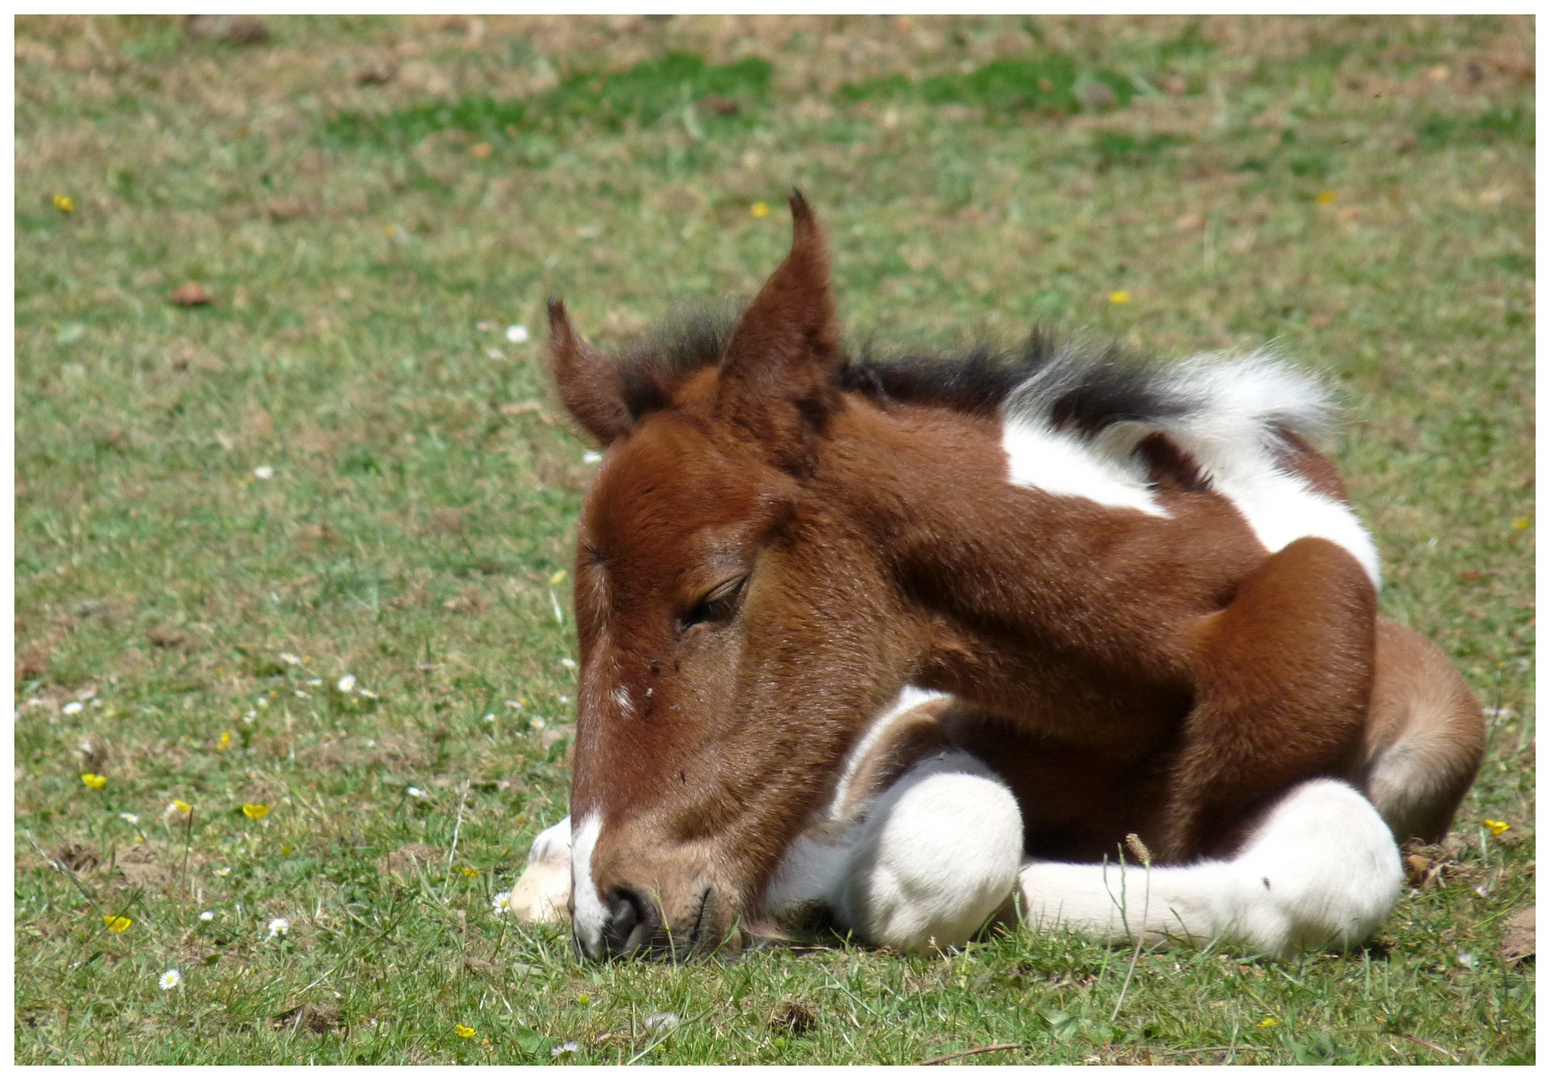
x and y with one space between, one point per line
1496 827
1119 296
92 780
468 871
1327 196
182 807
464 1031
1520 523
254 810
64 202
760 209
117 924
225 740
1269 1021
557 577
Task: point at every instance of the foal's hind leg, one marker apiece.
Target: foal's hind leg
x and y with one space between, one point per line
1321 869
1283 676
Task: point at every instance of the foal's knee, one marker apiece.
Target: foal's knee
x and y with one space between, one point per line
938 857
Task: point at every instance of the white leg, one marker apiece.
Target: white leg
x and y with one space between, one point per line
542 893
1322 870
935 856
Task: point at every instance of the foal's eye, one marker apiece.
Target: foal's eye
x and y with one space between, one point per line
718 605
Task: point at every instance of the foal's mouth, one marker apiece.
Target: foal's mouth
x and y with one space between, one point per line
662 944
696 934
666 948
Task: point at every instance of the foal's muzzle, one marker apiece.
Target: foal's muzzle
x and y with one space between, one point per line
635 928
633 922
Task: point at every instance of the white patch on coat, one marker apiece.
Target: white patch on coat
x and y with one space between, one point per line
1063 463
1231 412
1231 436
621 698
908 698
591 915
1321 870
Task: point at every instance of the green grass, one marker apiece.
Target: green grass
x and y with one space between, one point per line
643 94
1358 190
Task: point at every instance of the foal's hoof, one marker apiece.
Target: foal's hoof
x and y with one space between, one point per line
542 893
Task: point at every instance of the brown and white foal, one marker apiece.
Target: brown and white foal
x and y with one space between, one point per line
906 640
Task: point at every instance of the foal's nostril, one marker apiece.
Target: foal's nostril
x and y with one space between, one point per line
632 921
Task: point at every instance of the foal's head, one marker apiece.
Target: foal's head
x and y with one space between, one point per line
724 665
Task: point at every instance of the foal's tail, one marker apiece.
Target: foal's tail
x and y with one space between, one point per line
1425 736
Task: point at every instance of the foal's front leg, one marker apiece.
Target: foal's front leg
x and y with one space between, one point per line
923 865
542 893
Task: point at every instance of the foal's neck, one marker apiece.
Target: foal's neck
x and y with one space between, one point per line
1011 584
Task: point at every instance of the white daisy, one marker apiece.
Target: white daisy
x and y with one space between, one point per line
264 472
347 684
72 708
170 979
133 819
501 903
279 927
517 333
207 916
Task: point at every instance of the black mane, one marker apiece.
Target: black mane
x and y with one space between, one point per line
1076 385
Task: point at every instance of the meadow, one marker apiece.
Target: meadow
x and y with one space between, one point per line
294 504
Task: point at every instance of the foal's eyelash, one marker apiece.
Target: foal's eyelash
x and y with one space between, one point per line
717 605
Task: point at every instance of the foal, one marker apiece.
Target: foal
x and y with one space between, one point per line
898 640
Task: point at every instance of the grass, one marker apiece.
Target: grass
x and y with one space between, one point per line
1358 190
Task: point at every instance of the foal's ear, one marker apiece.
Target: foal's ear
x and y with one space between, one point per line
587 380
776 372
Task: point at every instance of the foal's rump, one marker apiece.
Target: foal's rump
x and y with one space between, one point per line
1425 736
